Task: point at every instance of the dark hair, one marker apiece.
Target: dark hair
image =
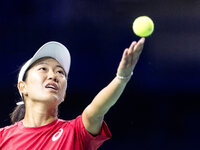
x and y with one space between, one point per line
19 111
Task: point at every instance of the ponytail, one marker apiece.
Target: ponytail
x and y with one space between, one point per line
18 113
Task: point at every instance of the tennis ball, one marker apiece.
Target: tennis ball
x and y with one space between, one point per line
143 26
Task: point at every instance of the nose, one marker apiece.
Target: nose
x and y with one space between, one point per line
52 76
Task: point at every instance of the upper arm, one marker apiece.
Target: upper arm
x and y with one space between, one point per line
91 122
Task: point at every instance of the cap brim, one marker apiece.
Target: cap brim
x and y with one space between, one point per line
52 49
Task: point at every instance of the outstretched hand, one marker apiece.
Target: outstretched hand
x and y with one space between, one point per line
130 58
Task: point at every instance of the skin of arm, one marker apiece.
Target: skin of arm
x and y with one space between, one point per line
93 114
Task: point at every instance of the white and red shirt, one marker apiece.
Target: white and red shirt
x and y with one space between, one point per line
58 135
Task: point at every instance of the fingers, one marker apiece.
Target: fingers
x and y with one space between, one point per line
131 54
135 50
142 40
131 47
134 45
130 57
139 46
124 59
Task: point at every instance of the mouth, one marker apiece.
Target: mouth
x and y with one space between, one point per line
52 86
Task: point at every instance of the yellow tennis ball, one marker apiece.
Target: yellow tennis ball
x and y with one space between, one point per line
143 26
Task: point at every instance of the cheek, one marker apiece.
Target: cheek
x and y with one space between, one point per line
34 80
64 86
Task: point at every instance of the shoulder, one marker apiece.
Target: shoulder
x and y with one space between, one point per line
8 128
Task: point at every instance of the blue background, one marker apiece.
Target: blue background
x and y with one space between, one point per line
159 108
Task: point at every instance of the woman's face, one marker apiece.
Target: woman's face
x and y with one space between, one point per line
46 81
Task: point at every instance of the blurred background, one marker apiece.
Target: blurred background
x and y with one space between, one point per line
159 108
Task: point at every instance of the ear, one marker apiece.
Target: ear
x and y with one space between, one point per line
22 87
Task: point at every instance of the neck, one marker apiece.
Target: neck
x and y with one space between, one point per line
39 114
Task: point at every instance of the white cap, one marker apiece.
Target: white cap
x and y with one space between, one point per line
52 49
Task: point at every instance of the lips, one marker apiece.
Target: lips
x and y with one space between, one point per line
53 86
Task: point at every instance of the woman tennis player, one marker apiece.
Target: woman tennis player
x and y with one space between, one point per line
42 84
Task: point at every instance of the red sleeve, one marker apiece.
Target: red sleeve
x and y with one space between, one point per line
91 142
1 130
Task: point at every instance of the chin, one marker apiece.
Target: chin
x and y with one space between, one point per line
48 98
55 98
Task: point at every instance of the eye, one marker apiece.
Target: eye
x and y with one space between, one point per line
42 68
61 72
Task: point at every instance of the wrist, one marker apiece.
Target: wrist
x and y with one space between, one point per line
123 79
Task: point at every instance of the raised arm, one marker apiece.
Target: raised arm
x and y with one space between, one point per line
94 113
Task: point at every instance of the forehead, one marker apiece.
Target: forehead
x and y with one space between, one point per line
46 60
